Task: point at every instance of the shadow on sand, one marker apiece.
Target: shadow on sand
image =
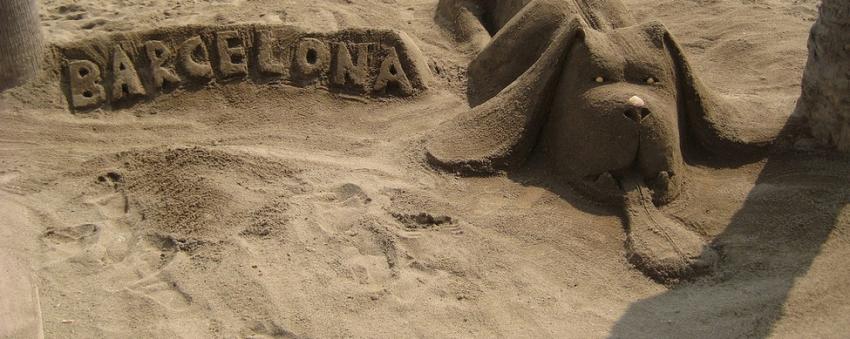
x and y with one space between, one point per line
770 242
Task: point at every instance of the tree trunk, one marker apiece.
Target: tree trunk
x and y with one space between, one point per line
825 99
20 53
20 41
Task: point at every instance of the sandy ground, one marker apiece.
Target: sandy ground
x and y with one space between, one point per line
259 211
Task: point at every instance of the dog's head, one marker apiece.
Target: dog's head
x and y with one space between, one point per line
598 104
616 109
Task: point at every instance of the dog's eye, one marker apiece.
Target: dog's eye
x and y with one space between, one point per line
599 80
651 81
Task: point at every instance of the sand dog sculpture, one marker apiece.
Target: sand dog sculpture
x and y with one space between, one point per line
613 106
123 69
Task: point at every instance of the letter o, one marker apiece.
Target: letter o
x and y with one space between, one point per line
312 57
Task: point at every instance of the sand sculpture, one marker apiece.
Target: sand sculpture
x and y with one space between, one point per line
612 106
123 69
825 99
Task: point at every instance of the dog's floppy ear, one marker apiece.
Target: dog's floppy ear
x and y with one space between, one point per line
708 121
515 48
501 132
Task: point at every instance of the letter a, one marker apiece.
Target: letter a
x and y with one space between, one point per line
392 73
125 79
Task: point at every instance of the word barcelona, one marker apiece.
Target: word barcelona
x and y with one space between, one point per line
127 68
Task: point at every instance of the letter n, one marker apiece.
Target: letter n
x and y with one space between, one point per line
347 71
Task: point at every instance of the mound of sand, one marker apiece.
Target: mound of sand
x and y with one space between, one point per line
201 193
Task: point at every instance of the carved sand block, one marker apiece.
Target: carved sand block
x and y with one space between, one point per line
123 69
612 107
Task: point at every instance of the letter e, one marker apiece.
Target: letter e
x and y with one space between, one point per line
231 54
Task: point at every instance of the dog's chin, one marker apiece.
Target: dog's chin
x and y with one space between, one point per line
610 186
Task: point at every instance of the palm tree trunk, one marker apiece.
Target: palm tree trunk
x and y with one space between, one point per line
20 41
825 99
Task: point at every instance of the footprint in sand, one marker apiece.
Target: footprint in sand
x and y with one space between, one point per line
162 291
414 224
74 237
93 244
110 247
351 195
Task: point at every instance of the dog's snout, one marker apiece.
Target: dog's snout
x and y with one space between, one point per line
637 101
636 114
636 110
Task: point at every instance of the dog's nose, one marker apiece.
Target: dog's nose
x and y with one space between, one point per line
637 110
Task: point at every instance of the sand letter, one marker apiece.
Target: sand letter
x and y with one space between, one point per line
265 55
125 79
231 54
392 73
84 79
346 70
192 48
311 57
158 54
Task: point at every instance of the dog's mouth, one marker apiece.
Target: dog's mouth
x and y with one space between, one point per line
648 169
637 141
663 185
